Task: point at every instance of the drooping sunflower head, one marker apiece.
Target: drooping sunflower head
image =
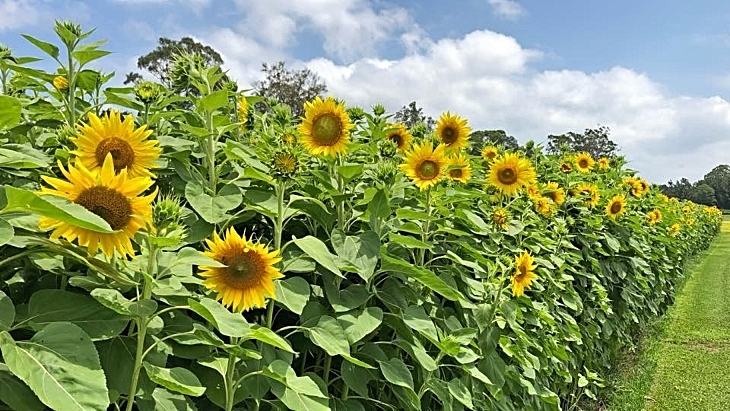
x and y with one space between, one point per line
543 206
616 206
524 273
249 273
566 167
510 172
554 192
584 162
604 163
116 198
129 147
459 168
500 217
399 134
326 127
489 153
284 164
425 165
590 193
453 131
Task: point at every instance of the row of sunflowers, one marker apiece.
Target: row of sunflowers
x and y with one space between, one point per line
193 247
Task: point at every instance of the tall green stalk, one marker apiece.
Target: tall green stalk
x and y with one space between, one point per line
278 230
426 227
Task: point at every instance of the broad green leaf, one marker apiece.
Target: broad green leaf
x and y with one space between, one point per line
379 206
350 171
164 400
329 335
228 323
396 372
6 232
362 251
213 209
316 249
293 293
86 56
60 364
9 112
7 312
461 393
476 223
50 306
409 242
409 214
416 318
18 160
296 401
57 208
175 379
15 394
48 48
422 275
356 377
358 324
115 301
297 393
214 101
267 336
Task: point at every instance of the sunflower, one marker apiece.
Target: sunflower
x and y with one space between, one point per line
249 273
533 190
453 131
616 206
591 192
60 83
674 230
128 146
584 162
500 217
459 168
242 109
654 216
114 197
326 127
524 273
284 164
566 167
554 192
639 186
425 165
510 172
687 209
489 153
665 198
289 138
399 134
604 163
543 206
690 222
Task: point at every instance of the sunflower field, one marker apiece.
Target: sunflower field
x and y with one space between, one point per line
197 248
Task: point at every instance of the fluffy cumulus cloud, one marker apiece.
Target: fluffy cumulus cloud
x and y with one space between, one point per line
15 14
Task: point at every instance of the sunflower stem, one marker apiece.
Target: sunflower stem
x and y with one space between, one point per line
71 89
327 366
278 231
426 227
230 382
211 140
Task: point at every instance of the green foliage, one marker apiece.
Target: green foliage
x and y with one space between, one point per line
594 141
290 87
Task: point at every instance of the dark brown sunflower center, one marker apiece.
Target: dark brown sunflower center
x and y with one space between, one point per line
327 129
244 268
491 154
449 135
616 207
565 167
122 153
507 176
553 196
428 169
583 163
456 173
108 204
522 273
396 138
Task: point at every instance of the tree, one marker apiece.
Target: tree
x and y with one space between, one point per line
159 60
480 138
411 115
703 193
682 189
719 180
293 88
593 141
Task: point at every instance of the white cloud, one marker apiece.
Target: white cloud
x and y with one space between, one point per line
508 9
15 14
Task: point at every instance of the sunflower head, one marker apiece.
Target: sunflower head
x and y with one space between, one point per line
533 190
116 198
425 165
524 273
167 210
242 109
589 192
147 92
489 153
326 127
459 168
543 205
248 275
584 162
500 217
604 163
398 134
566 167
113 135
674 230
452 131
510 173
378 109
284 164
60 83
654 216
616 206
554 192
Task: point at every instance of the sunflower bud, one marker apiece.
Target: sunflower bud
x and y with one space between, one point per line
419 130
284 164
355 113
147 92
385 171
186 70
68 31
378 109
289 138
60 83
167 212
65 133
6 53
388 148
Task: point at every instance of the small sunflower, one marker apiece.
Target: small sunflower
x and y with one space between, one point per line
128 146
554 192
399 134
510 172
566 167
459 168
116 198
543 206
616 206
533 190
60 83
674 229
289 138
690 222
242 109
524 273
500 217
453 131
604 163
584 162
326 127
249 273
686 209
284 164
425 165
489 153
590 191
665 198
654 216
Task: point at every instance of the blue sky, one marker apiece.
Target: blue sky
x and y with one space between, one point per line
655 72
